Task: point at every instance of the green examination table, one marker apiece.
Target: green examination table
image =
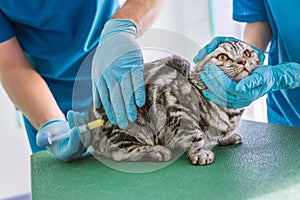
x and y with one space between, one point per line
265 166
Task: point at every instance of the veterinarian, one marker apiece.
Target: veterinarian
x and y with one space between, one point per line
267 21
42 46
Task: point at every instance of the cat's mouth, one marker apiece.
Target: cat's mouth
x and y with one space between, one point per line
247 70
242 72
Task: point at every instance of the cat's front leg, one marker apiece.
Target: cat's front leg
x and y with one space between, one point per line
231 139
202 157
197 154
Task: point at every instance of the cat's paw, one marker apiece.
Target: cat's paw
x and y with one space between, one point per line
203 157
161 153
231 139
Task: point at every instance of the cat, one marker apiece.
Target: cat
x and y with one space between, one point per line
177 117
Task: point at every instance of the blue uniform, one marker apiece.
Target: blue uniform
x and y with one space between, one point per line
56 36
284 19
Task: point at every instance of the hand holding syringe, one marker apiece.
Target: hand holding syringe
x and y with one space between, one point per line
49 139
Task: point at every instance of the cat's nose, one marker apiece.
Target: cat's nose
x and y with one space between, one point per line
241 62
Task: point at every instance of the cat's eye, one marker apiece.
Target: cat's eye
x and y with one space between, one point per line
222 57
246 54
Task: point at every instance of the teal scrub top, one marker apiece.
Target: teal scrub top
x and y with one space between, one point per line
57 36
283 105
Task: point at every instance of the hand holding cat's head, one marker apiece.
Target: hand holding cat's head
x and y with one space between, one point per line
235 58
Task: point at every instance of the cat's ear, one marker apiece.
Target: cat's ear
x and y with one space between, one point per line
261 55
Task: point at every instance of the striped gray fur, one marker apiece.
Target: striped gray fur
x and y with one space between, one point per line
176 118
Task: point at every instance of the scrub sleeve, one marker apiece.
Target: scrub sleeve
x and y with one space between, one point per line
6 30
249 11
283 106
57 36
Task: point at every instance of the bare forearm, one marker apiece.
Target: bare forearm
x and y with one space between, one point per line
258 34
143 13
25 87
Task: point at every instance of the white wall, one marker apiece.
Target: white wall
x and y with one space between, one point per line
182 28
190 17
14 151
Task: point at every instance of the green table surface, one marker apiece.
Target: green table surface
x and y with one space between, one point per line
266 166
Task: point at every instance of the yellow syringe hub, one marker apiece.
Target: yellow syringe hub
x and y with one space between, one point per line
95 124
91 125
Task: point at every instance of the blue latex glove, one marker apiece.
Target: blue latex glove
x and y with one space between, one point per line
118 72
263 79
210 47
69 148
222 89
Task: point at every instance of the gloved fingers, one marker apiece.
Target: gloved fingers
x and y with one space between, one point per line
214 85
214 75
222 102
64 149
105 99
227 99
75 118
70 118
51 128
210 47
68 148
137 75
221 39
78 119
247 97
201 54
74 142
214 98
223 89
216 81
253 94
128 96
251 82
96 97
116 100
258 78
218 40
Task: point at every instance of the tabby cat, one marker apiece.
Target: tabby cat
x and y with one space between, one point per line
176 117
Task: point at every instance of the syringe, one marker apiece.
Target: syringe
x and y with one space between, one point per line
48 139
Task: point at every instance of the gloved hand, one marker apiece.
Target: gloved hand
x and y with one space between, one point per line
68 148
118 72
210 47
222 89
263 79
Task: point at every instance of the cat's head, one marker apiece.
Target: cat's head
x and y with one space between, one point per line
236 59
